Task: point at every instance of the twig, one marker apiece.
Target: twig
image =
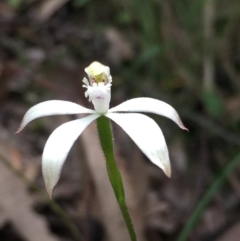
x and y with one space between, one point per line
208 60
47 9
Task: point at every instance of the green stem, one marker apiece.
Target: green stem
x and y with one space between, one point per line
216 184
106 140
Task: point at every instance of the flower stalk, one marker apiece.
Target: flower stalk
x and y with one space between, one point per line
106 140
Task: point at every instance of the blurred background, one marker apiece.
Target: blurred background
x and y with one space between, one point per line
184 52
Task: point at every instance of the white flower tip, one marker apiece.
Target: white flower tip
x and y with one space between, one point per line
176 118
186 129
181 125
20 128
51 175
49 191
24 122
50 183
168 171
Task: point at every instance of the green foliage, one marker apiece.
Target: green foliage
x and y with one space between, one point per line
190 14
14 3
80 3
147 18
123 18
147 55
207 197
213 103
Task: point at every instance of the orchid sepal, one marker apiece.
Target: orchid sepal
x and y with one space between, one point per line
57 148
147 135
149 105
50 108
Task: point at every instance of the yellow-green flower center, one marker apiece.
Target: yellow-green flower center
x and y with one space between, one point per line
100 78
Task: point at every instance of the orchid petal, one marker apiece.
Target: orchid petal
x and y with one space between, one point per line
57 148
52 107
147 135
149 105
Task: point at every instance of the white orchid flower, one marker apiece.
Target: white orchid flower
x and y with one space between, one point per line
142 129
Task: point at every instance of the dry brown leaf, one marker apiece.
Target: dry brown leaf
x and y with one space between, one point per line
17 204
15 201
232 234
